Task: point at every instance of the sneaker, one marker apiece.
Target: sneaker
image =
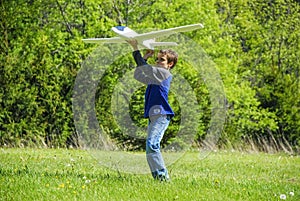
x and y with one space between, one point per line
163 177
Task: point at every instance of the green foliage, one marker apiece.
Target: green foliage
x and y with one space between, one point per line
268 42
37 75
254 46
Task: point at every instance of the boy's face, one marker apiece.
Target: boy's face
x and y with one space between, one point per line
162 61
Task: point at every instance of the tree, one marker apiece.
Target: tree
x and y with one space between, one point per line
250 50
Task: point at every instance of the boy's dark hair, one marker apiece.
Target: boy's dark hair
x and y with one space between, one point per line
172 56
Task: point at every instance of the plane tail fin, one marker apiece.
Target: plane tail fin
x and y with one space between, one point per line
150 44
163 44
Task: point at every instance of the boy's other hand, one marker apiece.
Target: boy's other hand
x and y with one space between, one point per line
148 54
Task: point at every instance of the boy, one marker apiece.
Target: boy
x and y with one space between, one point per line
157 109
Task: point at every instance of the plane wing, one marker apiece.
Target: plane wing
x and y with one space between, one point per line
104 40
166 32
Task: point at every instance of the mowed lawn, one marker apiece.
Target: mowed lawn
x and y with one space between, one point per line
61 174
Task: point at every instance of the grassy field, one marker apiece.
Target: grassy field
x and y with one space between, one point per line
60 174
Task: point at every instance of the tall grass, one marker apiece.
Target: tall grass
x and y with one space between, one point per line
60 174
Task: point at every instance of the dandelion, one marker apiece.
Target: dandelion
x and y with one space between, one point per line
282 197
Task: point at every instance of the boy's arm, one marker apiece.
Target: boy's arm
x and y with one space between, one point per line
151 75
146 73
137 54
139 60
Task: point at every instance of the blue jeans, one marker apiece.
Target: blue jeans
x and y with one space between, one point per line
156 129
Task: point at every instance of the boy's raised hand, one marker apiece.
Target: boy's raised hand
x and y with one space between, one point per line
133 43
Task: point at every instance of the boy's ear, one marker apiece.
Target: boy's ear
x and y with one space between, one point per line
170 64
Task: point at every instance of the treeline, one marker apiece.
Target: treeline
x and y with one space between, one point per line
53 91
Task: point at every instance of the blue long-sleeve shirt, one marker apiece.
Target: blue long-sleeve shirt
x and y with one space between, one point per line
158 82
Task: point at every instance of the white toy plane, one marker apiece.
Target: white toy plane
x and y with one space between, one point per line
146 40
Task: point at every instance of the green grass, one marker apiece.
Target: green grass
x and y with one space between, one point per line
59 174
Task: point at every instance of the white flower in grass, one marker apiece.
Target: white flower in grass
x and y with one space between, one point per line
292 193
87 181
68 165
282 197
